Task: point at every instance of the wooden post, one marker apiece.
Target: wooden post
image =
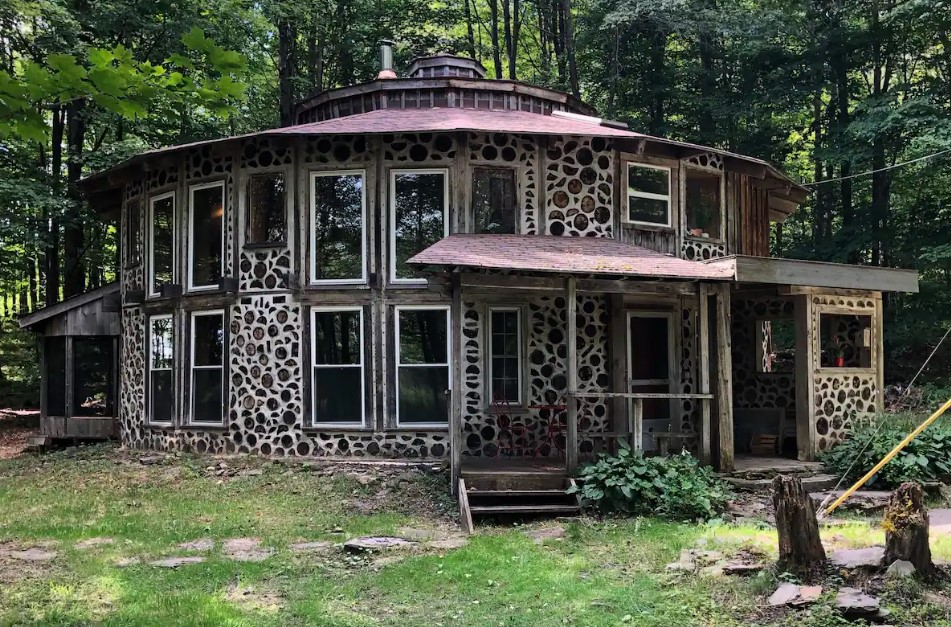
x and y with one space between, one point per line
571 454
724 378
805 366
621 416
455 393
638 424
800 549
703 354
906 529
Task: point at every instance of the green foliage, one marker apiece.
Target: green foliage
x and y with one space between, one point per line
19 368
926 458
675 487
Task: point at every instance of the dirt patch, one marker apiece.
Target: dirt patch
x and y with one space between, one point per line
16 427
255 598
19 562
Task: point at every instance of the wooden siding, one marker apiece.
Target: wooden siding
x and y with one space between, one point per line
753 225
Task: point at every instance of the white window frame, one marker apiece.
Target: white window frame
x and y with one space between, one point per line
625 216
192 367
150 370
518 315
313 384
151 241
396 379
392 221
191 234
312 225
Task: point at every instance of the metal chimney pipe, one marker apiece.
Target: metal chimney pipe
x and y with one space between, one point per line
386 60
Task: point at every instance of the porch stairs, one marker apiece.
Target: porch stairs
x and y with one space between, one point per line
755 474
508 494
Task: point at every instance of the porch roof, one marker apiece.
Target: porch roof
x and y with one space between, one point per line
802 273
563 255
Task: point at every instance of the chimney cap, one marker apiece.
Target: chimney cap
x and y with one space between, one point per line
386 60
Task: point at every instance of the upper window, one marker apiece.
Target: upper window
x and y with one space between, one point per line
267 209
338 394
133 252
420 217
494 200
648 194
505 356
422 365
338 236
161 359
207 367
703 202
206 235
161 241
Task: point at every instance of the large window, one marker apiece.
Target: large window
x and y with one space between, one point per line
207 367
703 202
93 376
266 209
505 381
206 235
419 207
846 340
161 359
422 365
494 200
338 237
338 394
133 251
161 241
648 194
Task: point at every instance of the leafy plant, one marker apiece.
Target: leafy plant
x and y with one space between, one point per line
675 487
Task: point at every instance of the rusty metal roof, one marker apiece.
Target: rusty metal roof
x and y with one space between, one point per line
563 255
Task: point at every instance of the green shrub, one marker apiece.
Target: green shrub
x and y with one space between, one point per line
675 487
926 458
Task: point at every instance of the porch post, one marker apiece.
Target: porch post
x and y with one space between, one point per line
703 354
724 377
455 393
571 444
805 367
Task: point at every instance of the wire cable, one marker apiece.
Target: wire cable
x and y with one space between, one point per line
870 172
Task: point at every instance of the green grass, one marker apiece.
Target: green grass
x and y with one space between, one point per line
602 573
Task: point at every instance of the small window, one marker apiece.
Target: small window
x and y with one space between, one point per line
207 367
54 356
337 238
703 203
505 355
161 359
133 252
161 242
420 217
846 341
422 365
206 235
776 345
494 200
93 376
267 209
648 194
338 392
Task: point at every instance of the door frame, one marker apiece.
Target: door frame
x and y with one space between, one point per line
672 361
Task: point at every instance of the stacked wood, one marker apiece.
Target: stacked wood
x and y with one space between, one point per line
800 549
906 529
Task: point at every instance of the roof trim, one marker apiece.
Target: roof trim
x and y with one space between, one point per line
804 273
42 315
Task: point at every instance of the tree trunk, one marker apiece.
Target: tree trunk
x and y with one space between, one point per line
285 70
569 45
74 279
800 549
470 32
657 81
509 41
494 34
52 236
906 529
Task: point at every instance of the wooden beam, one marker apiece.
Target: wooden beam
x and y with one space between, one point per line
703 354
475 281
638 424
571 295
819 274
642 395
724 378
617 347
455 393
806 346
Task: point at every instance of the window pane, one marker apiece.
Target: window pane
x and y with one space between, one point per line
649 180
55 355
163 225
338 395
206 396
208 339
161 343
506 359
423 336
494 203
134 229
846 341
93 362
266 209
422 394
160 389
703 202
420 202
338 224
337 337
648 210
207 212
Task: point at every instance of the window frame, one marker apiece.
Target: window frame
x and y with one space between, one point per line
684 175
192 316
314 422
397 309
518 355
625 215
516 180
133 233
671 380
149 422
244 199
312 227
150 272
191 239
391 258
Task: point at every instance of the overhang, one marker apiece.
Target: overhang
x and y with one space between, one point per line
39 317
801 273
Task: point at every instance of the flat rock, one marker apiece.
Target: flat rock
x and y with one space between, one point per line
202 544
448 543
741 568
807 595
91 543
540 536
308 547
900 569
854 603
712 571
417 535
870 557
785 593
245 550
33 555
369 544
175 562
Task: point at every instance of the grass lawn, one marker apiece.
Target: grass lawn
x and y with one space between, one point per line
601 573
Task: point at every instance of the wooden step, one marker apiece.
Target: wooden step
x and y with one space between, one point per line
494 493
524 509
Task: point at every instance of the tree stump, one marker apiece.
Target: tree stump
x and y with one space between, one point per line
800 549
906 529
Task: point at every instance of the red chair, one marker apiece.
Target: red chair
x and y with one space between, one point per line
515 438
556 428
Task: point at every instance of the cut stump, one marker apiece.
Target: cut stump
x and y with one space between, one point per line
800 549
906 529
